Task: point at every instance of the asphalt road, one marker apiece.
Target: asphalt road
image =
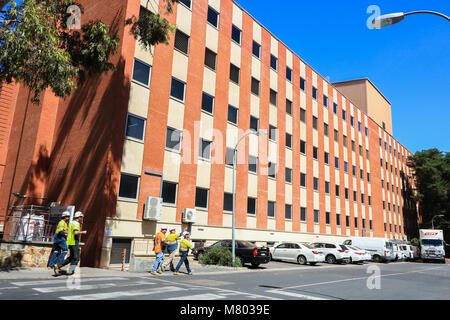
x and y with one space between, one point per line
274 281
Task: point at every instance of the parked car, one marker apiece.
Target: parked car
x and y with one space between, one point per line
246 252
334 252
380 248
398 254
358 255
407 251
416 252
301 253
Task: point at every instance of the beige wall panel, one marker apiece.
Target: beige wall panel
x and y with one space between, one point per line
289 91
288 158
254 105
314 79
228 185
132 157
302 69
302 100
212 38
139 97
235 57
232 134
252 185
214 4
273 80
180 66
184 17
302 131
175 114
203 174
303 197
237 16
271 224
171 167
256 68
289 124
303 163
288 194
289 59
251 222
272 190
288 226
206 126
273 152
143 54
209 81
273 46
273 113
256 32
126 209
253 141
233 94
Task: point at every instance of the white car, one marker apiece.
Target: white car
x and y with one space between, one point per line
334 252
407 250
297 252
398 254
358 255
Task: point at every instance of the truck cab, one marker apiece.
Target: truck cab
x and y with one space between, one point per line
432 245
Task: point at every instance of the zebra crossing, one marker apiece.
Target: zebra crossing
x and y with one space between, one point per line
133 288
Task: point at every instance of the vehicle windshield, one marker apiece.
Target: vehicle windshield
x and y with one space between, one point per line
347 242
343 247
388 244
307 245
432 242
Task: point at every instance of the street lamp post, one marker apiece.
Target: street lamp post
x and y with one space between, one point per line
392 18
233 241
432 220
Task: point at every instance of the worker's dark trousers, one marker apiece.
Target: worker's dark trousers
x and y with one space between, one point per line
74 257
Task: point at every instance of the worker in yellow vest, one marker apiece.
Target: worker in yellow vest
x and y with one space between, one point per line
73 241
59 243
185 245
172 245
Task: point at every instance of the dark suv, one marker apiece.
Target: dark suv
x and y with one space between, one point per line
246 252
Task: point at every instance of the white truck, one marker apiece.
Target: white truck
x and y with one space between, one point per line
432 245
381 249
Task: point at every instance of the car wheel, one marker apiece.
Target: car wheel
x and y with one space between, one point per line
330 259
377 258
301 260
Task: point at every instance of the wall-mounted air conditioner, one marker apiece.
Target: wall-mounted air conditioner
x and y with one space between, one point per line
152 209
189 215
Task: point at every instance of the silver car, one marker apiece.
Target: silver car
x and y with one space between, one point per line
333 252
297 252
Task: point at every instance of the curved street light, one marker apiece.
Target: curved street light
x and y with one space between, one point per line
233 241
432 220
393 18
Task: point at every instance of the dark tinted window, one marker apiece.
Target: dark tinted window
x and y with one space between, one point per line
256 49
302 83
272 133
128 186
205 149
213 17
273 97
236 34
232 114
302 146
135 127
141 72
289 74
254 123
303 179
207 103
271 209
182 41
288 211
273 62
169 192
173 139
288 175
177 89
314 93
201 198
252 164
272 170
210 59
288 106
187 3
251 205
255 86
229 156
302 115
228 201
288 140
303 214
234 73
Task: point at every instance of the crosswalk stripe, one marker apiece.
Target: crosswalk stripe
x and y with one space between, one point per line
205 296
53 281
91 287
120 294
293 294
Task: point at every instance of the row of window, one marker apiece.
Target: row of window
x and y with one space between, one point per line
400 156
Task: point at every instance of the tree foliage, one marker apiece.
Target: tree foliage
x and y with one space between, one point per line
38 49
432 174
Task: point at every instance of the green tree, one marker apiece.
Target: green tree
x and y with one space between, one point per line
37 47
432 175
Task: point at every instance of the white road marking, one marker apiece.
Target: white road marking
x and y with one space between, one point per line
293 294
120 294
52 281
205 296
353 279
8 288
90 287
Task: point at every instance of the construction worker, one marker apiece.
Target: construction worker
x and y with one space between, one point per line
59 249
160 240
73 241
172 245
185 245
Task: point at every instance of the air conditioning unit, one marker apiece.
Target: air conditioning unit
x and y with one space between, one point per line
152 209
189 215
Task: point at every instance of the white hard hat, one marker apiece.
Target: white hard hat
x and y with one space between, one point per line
65 214
173 228
164 227
78 214
186 233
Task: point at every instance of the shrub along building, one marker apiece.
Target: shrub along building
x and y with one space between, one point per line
164 125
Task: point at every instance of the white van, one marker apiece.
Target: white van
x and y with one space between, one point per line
380 248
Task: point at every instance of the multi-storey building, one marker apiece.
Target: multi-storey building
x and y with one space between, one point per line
166 121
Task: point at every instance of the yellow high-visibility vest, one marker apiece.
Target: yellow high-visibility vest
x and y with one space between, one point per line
185 245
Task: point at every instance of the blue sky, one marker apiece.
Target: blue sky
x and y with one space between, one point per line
409 62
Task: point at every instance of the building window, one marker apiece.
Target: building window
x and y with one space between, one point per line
254 123
303 115
141 72
128 186
177 89
272 170
302 84
233 114
213 17
356 222
251 205
316 216
327 158
314 93
336 162
303 180
288 107
201 198
205 149
207 103
345 141
234 73
338 189
325 129
346 166
272 133
289 175
169 192
359 126
135 127
288 140
346 193
256 49
362 198
353 145
354 170
327 187
325 101
288 211
289 74
255 86
315 122
366 130
335 107
327 217
227 201
347 221
343 114
210 59
302 214
271 209
229 155
338 219
354 196
352 120
273 97
173 139
370 224
187 3
274 62
182 42
236 34
252 164
315 153
316 183
336 135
